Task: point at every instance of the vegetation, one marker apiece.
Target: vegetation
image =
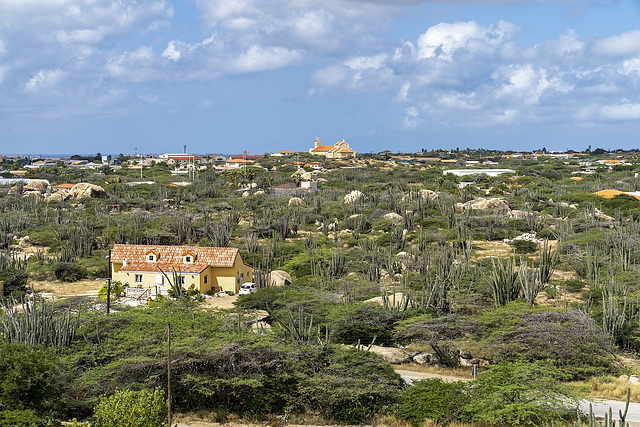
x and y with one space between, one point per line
411 260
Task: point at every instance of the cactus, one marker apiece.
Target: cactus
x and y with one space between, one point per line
36 323
529 282
503 281
548 261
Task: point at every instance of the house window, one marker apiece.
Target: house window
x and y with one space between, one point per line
241 278
138 278
151 257
181 280
206 279
187 259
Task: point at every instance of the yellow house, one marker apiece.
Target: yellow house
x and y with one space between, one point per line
217 269
339 150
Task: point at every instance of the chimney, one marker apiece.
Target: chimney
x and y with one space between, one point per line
317 143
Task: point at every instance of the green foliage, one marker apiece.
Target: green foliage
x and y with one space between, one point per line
144 408
118 290
69 272
30 378
521 394
365 323
432 399
524 246
21 418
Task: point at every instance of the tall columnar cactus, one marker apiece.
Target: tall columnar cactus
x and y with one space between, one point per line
548 261
504 281
529 282
35 323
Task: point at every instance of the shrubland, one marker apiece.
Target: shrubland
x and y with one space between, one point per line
397 267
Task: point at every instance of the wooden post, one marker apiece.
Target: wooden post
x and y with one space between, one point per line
169 373
109 285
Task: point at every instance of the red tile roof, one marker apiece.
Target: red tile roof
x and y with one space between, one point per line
171 258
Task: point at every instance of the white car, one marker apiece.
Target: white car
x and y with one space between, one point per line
247 288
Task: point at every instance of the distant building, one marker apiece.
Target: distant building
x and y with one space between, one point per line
339 150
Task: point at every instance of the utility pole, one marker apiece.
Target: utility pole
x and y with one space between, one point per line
109 284
169 373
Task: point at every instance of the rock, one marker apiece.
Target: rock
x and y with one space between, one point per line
58 196
321 181
464 354
354 197
14 191
84 189
633 379
392 216
246 194
306 176
298 172
259 193
516 214
489 203
39 185
464 362
423 358
32 193
428 195
296 201
24 241
395 356
257 327
278 278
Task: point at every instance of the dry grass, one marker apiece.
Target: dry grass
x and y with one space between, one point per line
62 289
611 388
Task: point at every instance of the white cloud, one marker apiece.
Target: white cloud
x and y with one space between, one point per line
621 45
259 58
631 65
443 40
411 119
620 112
43 79
171 52
205 104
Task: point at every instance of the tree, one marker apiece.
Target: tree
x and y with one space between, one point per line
521 393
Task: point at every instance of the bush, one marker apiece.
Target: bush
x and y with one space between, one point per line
432 399
69 272
15 281
29 378
21 418
524 246
145 408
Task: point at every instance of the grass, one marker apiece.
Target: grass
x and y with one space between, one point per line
613 388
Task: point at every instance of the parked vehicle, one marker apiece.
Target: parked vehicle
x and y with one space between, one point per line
247 288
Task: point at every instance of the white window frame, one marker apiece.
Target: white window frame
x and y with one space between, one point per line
206 279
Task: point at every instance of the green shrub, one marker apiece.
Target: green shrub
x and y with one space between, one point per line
15 281
431 399
21 418
29 378
144 408
524 246
69 272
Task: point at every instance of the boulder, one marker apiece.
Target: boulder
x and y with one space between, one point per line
39 185
24 241
246 194
392 216
423 358
31 193
296 201
259 193
58 196
486 204
84 189
278 278
428 195
14 191
321 181
298 172
395 356
306 176
354 197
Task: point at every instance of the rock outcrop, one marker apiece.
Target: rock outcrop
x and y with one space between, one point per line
83 189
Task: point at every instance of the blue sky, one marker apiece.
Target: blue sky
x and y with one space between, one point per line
223 76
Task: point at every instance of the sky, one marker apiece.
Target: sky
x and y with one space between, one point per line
224 76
